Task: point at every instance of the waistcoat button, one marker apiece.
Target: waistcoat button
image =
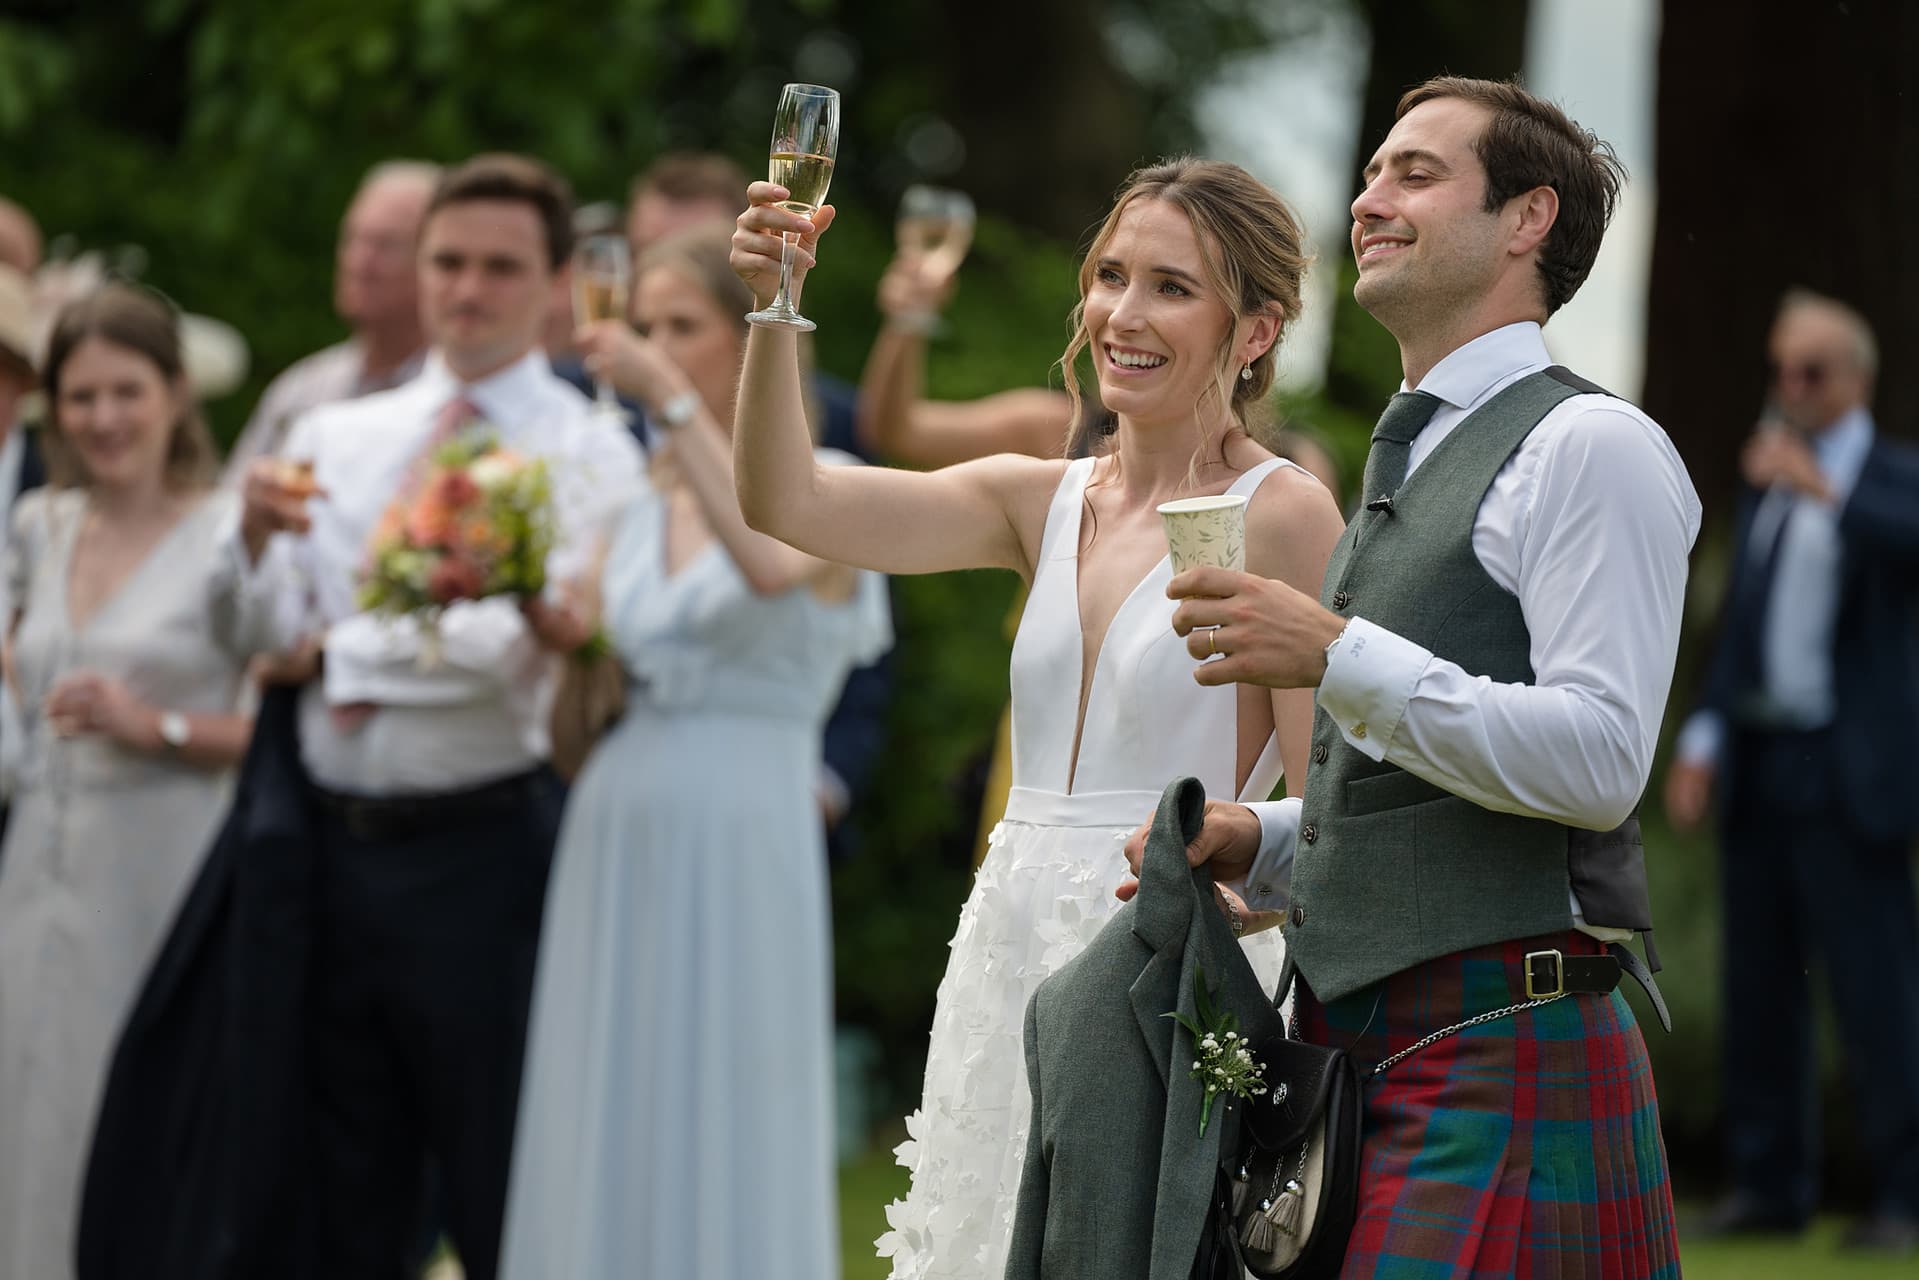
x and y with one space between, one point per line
1309 833
1319 754
1299 916
1341 599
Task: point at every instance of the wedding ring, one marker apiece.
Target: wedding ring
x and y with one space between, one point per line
1212 642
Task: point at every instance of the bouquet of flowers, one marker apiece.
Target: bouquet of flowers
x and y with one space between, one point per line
476 520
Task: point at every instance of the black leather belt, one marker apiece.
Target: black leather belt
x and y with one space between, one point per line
402 817
1554 973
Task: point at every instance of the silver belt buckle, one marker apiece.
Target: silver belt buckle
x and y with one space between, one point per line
1559 975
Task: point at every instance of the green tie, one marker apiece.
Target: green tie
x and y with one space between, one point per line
1406 416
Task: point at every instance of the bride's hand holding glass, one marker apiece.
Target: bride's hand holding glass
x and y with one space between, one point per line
756 240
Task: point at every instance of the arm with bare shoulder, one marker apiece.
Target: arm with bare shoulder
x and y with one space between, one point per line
981 514
1292 525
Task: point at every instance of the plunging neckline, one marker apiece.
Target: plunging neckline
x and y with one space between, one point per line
1089 680
668 574
106 603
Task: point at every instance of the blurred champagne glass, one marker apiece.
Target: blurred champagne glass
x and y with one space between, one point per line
602 280
806 137
935 229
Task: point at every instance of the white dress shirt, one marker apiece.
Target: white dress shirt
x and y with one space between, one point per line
327 376
1795 648
1589 524
477 710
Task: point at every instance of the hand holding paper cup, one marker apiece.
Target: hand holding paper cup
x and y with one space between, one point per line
1206 531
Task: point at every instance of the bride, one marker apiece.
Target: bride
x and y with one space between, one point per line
1183 296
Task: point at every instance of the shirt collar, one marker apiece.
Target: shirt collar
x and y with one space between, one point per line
513 394
1470 373
1841 449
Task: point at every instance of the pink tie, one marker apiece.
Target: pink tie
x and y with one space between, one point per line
457 413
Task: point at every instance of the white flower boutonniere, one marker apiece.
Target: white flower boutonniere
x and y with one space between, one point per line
1225 1064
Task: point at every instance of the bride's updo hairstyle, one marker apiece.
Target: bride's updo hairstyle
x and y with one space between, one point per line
1250 244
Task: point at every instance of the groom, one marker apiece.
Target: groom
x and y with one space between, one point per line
1493 651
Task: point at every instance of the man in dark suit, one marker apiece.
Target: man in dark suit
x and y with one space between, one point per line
21 469
1809 730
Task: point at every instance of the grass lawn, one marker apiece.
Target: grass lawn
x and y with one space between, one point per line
867 1186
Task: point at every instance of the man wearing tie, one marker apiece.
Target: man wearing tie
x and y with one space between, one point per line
1808 728
1492 653
437 811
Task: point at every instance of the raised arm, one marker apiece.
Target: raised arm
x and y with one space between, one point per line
896 420
985 513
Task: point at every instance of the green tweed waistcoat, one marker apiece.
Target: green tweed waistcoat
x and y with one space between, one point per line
1391 870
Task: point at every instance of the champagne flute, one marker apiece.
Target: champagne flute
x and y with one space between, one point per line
602 279
936 228
806 137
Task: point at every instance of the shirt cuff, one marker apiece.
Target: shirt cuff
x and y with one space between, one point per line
1701 738
1269 882
1370 677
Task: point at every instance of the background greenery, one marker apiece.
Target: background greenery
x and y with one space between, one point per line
225 136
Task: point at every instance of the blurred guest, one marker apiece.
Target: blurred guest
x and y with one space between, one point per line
375 292
1809 731
21 467
1309 449
20 244
437 807
895 418
667 1076
682 189
126 655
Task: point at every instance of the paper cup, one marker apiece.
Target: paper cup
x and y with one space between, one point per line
1206 531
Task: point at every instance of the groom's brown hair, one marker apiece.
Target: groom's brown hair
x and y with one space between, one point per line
1528 143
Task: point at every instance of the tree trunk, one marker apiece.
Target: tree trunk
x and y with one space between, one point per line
1793 165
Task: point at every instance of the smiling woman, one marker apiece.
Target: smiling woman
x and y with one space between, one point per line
125 659
1189 284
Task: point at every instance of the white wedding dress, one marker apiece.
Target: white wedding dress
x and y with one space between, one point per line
1046 885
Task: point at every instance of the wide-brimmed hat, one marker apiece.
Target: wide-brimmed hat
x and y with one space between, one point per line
18 339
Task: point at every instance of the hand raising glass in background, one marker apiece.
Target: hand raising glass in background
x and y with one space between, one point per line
806 137
602 281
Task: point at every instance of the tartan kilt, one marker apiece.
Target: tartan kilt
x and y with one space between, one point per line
1527 1147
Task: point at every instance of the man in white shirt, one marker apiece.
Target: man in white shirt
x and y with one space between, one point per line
437 809
1808 728
1493 654
376 291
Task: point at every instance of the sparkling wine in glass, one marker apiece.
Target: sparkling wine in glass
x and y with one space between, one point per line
936 228
806 137
602 279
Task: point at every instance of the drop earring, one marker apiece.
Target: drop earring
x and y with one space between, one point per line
1246 373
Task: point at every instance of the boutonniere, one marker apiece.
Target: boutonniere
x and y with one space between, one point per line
1225 1064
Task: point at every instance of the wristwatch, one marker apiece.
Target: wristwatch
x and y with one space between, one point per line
175 730
679 410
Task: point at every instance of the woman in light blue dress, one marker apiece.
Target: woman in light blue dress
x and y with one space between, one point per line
676 1112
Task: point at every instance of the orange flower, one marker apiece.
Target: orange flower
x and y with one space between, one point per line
429 522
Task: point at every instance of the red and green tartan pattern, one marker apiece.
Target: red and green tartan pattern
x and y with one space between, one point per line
1527 1147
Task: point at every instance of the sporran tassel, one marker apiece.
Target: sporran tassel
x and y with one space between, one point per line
1262 1236
1242 1190
1286 1210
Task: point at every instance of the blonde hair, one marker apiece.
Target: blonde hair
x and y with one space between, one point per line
1252 250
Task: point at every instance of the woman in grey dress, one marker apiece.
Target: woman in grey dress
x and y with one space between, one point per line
126 655
676 1112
